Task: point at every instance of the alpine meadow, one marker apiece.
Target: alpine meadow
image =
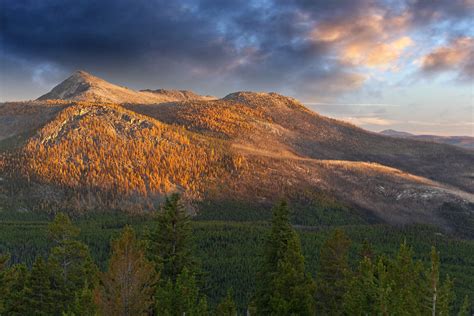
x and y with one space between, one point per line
349 190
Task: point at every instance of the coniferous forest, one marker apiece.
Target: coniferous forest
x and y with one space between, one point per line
169 264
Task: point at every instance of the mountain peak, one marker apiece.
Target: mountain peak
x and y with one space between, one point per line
73 88
395 133
264 99
82 86
81 74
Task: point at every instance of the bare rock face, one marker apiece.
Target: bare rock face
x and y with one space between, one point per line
82 86
71 88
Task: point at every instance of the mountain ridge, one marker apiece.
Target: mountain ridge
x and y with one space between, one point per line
82 86
248 146
461 141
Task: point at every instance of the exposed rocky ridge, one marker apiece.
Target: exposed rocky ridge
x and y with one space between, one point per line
82 86
179 95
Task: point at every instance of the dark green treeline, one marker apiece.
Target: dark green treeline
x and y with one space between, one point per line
158 275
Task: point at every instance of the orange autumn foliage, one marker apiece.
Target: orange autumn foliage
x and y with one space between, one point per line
107 148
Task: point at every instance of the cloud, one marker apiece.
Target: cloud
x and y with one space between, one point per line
379 54
457 56
446 11
378 121
332 81
313 49
372 39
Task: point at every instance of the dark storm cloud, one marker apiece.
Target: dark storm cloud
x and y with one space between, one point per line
210 45
110 29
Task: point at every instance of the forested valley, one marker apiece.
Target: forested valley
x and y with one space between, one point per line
170 264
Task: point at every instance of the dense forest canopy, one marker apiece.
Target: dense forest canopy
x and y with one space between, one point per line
224 266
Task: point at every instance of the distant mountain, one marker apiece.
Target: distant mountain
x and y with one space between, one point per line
461 141
82 86
394 133
84 153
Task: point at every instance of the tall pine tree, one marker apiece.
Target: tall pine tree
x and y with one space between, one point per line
408 283
283 286
361 296
169 247
181 297
169 244
70 263
15 297
440 294
38 294
333 275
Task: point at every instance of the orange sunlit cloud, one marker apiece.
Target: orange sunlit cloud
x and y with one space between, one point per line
375 54
367 40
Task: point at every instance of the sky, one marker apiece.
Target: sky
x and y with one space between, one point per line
389 64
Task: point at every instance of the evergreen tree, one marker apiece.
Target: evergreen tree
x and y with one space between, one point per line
227 306
361 297
440 294
84 303
407 282
399 287
383 288
446 298
165 299
4 282
15 297
4 258
434 282
333 274
169 247
38 294
70 262
189 301
367 251
283 287
128 285
169 243
465 309
62 229
181 297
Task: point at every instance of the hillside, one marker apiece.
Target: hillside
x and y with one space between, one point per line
112 155
82 153
282 124
461 141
